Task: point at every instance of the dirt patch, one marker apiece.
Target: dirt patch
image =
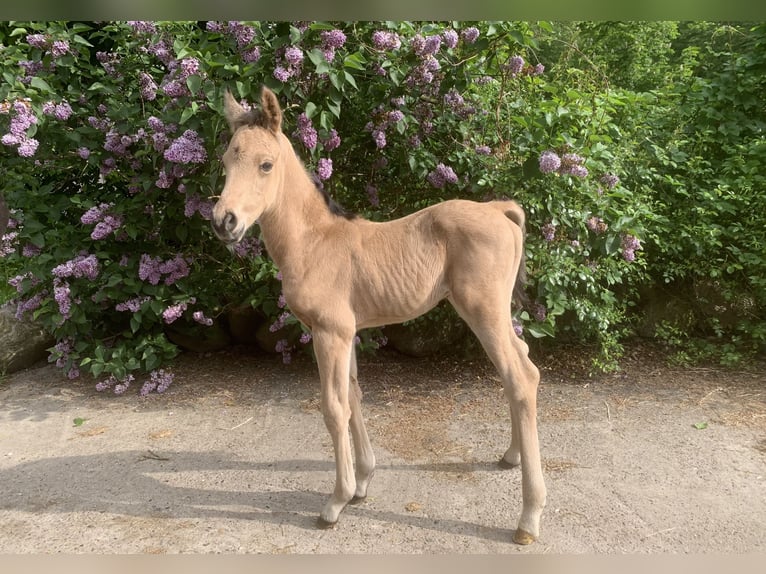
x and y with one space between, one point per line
234 458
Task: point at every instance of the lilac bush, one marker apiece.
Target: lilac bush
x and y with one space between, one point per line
112 237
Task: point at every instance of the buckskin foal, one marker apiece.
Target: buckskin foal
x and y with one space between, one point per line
341 274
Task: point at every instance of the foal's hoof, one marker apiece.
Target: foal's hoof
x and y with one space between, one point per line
523 537
505 465
323 524
358 499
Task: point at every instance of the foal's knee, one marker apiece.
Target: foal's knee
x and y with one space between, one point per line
336 416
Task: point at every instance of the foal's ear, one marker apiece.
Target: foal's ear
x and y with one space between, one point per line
235 114
272 113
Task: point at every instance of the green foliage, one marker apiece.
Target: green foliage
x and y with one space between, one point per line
657 127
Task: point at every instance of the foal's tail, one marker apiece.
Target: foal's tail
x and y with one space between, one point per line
515 213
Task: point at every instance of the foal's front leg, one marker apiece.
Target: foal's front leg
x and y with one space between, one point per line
333 352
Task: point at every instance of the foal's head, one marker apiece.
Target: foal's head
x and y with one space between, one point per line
253 164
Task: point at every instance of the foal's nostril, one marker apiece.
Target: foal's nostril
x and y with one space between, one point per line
229 221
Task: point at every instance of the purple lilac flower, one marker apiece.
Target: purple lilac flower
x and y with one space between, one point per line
294 56
123 385
83 152
571 164
132 305
483 150
143 26
95 213
101 124
152 269
596 224
173 312
282 74
175 88
81 266
175 269
548 231
324 168
470 35
189 148
104 228
63 111
17 282
306 131
610 180
372 195
453 99
37 41
29 305
383 40
517 327
333 38
109 62
280 322
62 293
22 120
251 55
629 244
332 142
442 175
285 348
195 204
148 269
248 247
117 143
148 86
31 69
189 67
305 338
59 48
8 243
29 250
379 136
200 318
539 69
242 33
450 38
161 50
159 380
515 65
549 161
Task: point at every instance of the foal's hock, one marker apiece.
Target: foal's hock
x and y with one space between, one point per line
341 274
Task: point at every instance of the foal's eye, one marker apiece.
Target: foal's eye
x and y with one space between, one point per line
266 166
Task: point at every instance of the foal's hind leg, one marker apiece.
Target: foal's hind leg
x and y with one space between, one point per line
365 458
490 321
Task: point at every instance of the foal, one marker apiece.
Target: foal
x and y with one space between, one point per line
342 274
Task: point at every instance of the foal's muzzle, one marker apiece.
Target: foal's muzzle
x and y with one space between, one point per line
226 228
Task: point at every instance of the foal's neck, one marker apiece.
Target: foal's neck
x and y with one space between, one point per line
298 218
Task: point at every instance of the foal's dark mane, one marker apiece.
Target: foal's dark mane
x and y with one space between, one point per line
334 207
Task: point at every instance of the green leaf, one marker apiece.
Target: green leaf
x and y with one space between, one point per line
350 79
40 84
80 40
355 61
78 422
700 426
194 83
